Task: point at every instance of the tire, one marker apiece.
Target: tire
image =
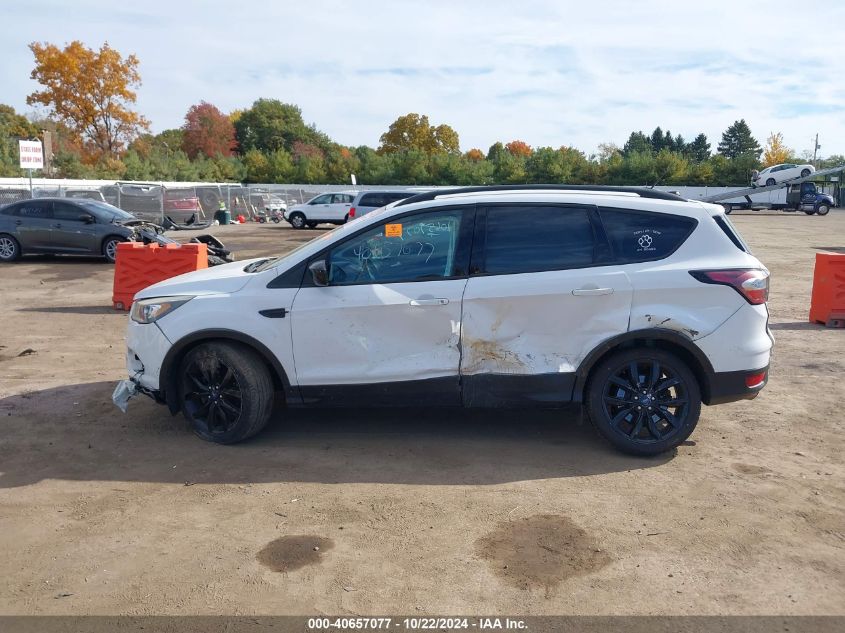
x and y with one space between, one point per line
805 173
312 225
110 247
10 248
611 401
226 392
809 211
275 219
823 209
297 220
770 182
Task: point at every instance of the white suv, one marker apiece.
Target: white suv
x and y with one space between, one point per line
637 303
332 208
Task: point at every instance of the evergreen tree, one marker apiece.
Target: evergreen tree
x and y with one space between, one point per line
658 141
636 143
737 141
699 149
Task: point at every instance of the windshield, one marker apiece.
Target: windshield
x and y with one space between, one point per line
104 210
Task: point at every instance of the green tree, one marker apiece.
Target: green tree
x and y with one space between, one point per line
737 141
13 127
699 150
658 139
637 142
414 132
270 125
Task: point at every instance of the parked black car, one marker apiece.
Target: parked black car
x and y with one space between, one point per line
62 225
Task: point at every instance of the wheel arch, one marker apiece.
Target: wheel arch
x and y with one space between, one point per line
109 236
169 366
659 338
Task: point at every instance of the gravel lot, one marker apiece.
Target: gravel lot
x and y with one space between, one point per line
411 511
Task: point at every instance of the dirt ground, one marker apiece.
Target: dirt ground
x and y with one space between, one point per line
411 512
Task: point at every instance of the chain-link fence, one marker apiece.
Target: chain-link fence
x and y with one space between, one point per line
182 203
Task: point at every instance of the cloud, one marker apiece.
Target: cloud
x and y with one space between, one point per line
546 72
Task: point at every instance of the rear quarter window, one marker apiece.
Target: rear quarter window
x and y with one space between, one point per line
639 236
371 200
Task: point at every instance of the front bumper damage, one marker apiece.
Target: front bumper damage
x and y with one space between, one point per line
146 347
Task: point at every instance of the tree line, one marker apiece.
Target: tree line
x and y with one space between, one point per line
89 96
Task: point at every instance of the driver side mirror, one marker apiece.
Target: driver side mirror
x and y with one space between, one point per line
87 219
319 272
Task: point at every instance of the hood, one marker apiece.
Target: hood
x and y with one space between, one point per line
224 279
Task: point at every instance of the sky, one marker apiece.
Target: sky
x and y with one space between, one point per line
548 73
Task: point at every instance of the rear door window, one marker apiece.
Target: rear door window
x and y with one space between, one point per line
372 200
639 236
522 239
35 209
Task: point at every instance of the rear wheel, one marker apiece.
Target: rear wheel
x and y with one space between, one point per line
226 392
823 209
110 247
805 173
643 401
770 182
10 250
297 220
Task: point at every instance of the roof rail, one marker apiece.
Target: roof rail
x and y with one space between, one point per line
643 192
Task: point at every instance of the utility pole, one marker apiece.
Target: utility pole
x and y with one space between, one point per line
816 148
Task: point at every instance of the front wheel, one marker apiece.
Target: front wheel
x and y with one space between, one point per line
110 247
823 209
226 392
10 250
805 173
643 401
297 220
770 182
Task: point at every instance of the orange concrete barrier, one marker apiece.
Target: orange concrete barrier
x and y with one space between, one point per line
827 305
140 265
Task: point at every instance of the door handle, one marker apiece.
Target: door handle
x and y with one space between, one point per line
18 222
57 226
428 302
592 292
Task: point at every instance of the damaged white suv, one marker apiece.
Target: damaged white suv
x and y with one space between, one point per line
637 303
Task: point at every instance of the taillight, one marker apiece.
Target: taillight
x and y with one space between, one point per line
751 283
352 212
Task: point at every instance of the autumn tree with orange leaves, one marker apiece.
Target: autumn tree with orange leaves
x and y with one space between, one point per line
91 92
519 148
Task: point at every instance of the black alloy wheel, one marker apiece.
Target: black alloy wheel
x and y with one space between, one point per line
644 401
212 396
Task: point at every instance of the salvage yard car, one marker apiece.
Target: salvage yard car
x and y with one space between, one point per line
332 208
75 226
637 303
780 173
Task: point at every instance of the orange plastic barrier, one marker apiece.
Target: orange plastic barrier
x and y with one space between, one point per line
827 305
138 266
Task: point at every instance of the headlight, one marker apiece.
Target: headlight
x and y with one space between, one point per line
151 310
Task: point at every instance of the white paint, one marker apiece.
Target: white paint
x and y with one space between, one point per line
532 323
31 155
371 333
